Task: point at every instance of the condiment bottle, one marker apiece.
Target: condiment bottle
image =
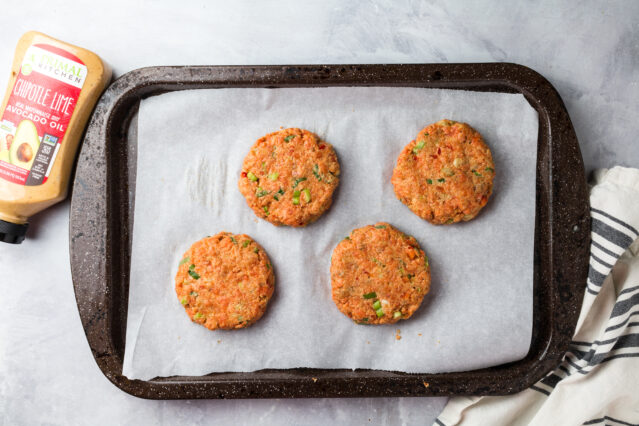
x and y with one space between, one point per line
52 90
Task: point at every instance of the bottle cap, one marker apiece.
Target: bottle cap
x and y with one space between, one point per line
12 233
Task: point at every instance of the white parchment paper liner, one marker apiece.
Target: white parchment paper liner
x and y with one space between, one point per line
190 151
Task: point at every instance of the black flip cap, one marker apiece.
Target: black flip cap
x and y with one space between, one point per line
12 233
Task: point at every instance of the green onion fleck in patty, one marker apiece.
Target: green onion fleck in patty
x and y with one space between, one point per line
418 147
298 181
261 192
306 193
192 273
316 172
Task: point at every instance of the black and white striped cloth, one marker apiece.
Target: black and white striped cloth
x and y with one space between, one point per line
597 382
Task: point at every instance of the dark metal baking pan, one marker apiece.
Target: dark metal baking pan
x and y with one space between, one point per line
101 223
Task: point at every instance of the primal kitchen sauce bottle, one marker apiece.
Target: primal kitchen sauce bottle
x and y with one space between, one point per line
52 90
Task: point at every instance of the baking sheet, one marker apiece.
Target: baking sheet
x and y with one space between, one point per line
190 149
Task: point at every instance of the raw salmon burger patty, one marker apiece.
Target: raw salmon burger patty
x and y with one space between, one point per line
289 177
225 281
379 275
446 174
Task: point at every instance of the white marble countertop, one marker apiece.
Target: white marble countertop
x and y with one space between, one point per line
589 51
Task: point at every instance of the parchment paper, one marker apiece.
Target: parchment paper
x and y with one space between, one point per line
190 150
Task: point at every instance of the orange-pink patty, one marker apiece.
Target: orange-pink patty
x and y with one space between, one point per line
446 174
288 177
379 275
225 281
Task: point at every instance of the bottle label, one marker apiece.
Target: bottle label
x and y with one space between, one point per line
38 112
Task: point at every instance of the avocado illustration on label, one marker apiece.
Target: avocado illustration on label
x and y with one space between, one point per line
25 145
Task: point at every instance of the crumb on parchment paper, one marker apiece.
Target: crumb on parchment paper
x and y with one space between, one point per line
398 335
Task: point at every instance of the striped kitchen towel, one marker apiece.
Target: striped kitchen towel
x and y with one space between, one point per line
597 382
